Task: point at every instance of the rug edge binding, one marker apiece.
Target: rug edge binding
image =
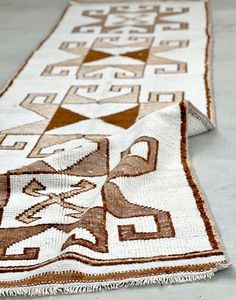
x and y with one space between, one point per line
78 288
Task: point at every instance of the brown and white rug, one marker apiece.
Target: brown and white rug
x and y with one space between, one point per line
97 190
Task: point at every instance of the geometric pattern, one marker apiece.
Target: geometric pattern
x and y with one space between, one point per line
96 188
76 203
116 66
108 72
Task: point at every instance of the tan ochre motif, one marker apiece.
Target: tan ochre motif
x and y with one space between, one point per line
124 20
33 188
119 72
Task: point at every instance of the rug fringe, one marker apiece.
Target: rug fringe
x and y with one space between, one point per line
98 286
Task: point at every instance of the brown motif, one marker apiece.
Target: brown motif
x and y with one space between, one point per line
64 117
11 236
94 164
197 195
94 220
124 118
116 204
65 277
94 55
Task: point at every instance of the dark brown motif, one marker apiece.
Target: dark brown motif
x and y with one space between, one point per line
94 219
11 236
116 204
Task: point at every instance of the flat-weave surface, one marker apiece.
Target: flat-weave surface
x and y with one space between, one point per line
115 210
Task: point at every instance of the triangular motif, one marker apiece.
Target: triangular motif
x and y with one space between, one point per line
124 118
64 117
140 54
94 55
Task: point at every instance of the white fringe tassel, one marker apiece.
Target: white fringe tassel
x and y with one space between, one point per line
36 291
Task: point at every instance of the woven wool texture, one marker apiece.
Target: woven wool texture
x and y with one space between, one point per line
96 188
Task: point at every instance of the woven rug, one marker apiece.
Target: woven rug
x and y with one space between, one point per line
97 190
